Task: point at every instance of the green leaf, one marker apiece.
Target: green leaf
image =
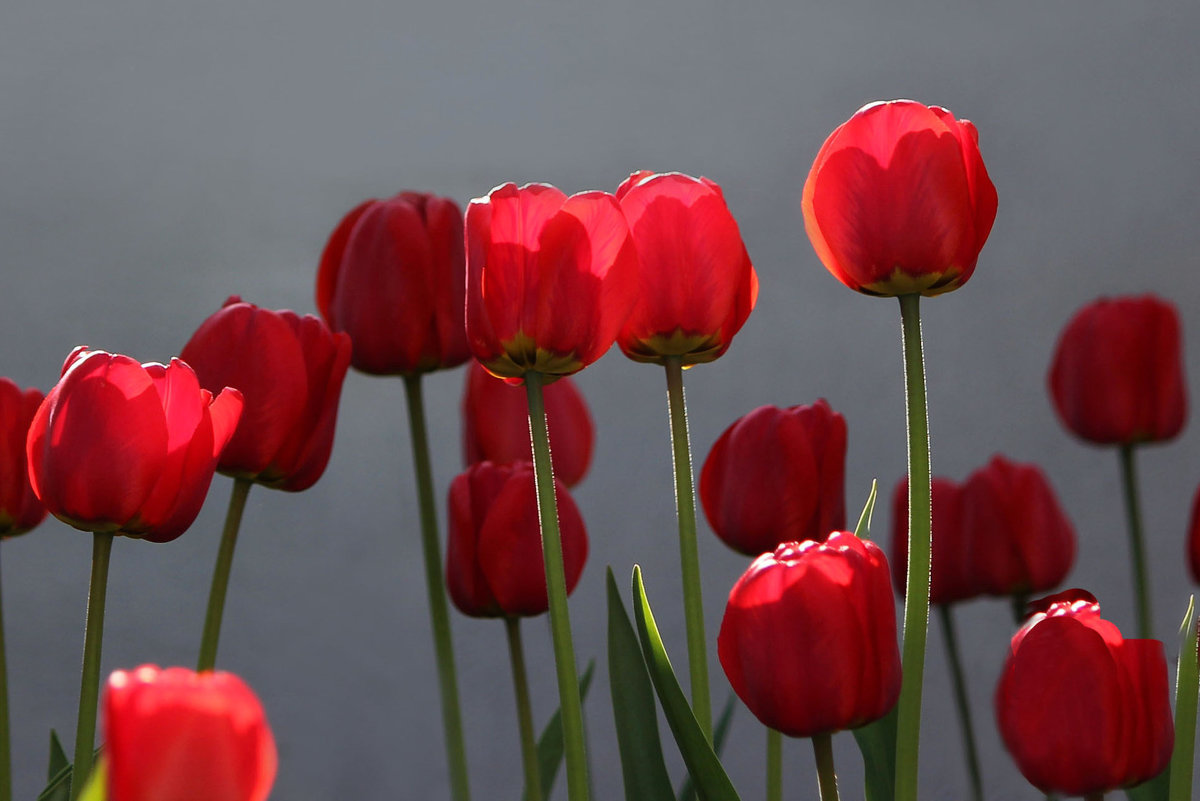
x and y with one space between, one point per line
58 757
1187 687
550 744
634 709
863 529
97 786
688 791
59 787
877 743
711 781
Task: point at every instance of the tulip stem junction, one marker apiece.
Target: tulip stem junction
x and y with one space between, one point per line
5 747
89 685
945 615
220 579
529 758
774 765
439 613
689 554
916 601
1137 545
570 706
826 775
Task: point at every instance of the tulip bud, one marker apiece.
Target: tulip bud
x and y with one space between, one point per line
950 576
20 509
1193 541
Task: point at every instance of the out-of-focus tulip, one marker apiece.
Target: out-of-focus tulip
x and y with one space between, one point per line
176 735
950 576
777 475
496 424
289 370
1193 542
1081 709
802 621
20 509
127 448
550 279
494 564
898 200
1117 375
696 285
1021 541
392 277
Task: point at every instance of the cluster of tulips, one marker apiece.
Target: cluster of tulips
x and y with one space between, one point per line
535 285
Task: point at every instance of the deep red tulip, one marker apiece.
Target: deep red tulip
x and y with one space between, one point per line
496 424
494 564
1193 542
696 285
898 200
176 735
550 279
290 371
802 621
950 576
1117 376
777 475
392 277
1081 709
127 448
20 509
1021 541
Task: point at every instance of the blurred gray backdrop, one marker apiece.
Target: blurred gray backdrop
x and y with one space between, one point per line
156 157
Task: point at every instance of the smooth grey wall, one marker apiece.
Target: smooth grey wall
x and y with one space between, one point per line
158 156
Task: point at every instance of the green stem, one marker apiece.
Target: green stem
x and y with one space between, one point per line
89 685
220 579
556 591
529 758
774 765
5 748
1137 545
916 601
443 646
961 700
689 554
826 775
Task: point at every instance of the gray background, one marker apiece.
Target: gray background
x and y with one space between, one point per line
158 156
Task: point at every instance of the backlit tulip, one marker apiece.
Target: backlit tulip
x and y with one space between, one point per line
1117 375
1081 709
127 448
809 636
494 564
176 735
898 200
289 370
496 424
392 277
696 285
550 279
950 576
20 509
777 475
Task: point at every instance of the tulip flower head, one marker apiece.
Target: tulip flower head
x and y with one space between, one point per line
898 200
290 371
20 509
1193 540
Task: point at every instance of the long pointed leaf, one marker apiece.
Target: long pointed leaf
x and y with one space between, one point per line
550 744
687 792
863 529
58 757
711 780
1187 687
877 743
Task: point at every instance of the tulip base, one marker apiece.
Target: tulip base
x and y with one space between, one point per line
774 765
220 579
826 775
89 687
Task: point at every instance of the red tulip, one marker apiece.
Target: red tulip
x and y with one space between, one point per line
175 735
550 279
20 509
1193 543
809 636
696 285
494 564
496 424
289 370
1117 376
950 577
1081 709
777 475
392 277
898 200
127 448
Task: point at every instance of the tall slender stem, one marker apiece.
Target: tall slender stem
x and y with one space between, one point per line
5 747
556 590
689 554
916 601
89 684
1137 545
826 775
443 646
945 614
529 759
220 579
774 765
